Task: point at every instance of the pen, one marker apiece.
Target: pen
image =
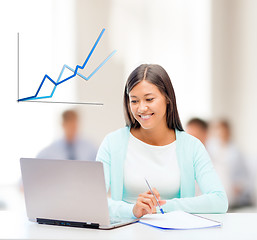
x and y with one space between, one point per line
154 196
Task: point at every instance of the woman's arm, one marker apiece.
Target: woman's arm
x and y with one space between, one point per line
213 198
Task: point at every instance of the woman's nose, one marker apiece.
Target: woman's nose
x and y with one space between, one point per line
142 107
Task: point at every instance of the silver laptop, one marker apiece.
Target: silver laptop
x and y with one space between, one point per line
67 193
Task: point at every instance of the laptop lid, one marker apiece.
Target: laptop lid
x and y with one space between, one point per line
65 190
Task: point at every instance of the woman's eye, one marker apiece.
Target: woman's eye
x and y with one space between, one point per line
149 99
133 101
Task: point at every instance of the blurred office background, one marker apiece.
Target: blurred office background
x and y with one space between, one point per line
208 47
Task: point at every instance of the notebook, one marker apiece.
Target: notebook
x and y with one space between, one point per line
67 193
178 220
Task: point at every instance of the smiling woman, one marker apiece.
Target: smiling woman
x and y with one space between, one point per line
150 103
153 145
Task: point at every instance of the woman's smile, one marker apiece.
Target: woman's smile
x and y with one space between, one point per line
145 117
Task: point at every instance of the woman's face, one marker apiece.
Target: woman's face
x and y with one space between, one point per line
148 105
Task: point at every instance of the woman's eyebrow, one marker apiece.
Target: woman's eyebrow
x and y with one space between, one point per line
144 95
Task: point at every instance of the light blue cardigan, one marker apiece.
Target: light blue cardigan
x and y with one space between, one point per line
194 163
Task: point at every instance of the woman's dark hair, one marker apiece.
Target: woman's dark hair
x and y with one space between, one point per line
156 75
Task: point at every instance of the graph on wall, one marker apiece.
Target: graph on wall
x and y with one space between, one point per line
37 97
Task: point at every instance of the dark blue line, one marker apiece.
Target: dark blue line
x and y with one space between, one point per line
93 48
73 75
88 57
66 79
27 98
40 85
46 76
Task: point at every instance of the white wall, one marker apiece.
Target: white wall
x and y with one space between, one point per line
28 127
234 71
234 74
174 34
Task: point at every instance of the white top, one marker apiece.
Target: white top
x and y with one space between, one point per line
158 164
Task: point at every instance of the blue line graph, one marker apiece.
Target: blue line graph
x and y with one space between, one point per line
75 72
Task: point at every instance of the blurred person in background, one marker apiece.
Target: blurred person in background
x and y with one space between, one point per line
198 128
230 165
70 146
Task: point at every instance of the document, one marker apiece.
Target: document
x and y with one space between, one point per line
178 220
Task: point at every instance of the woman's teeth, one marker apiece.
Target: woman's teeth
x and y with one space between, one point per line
145 117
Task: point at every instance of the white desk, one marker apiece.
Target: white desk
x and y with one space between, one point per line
236 226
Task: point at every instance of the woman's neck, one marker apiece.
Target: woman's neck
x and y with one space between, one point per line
158 137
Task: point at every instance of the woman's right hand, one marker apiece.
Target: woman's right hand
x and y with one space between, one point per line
146 203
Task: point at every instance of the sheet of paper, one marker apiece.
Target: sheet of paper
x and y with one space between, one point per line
178 220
